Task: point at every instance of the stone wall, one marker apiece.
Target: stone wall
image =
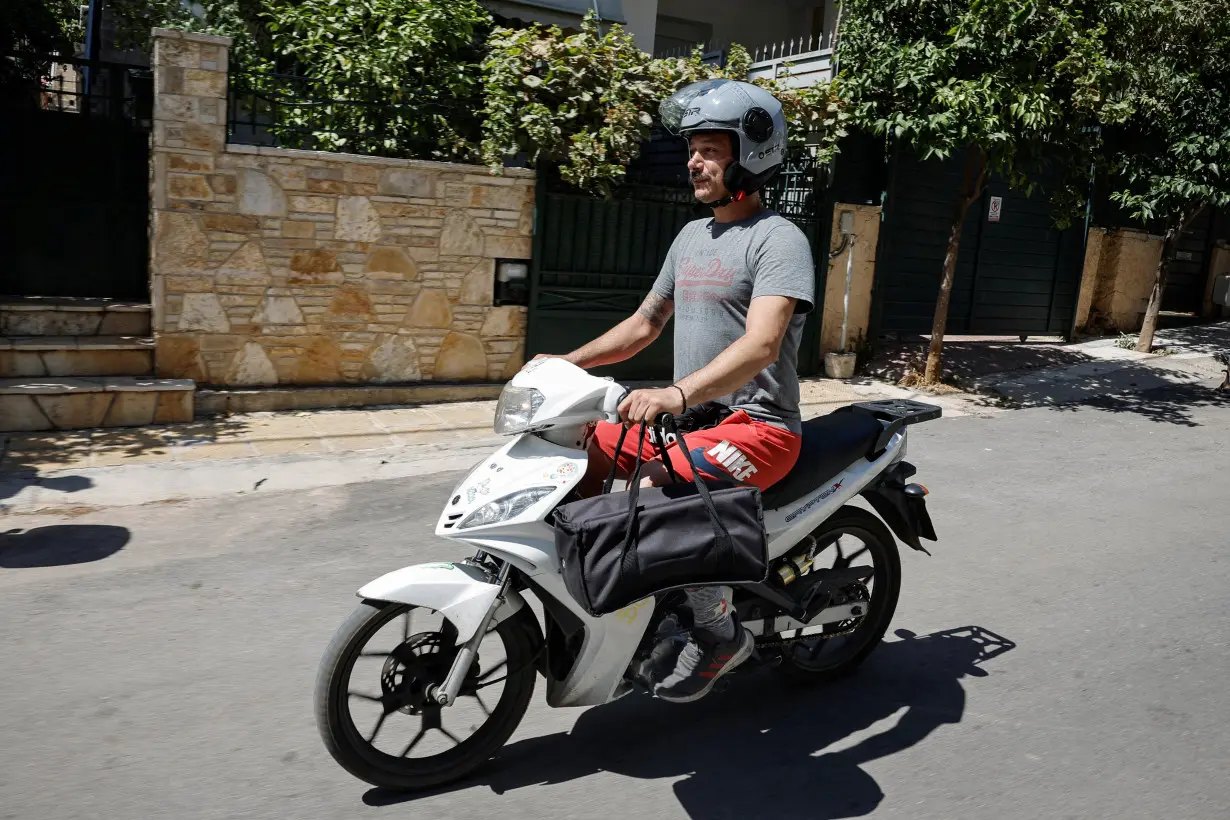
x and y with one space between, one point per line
273 266
1120 266
867 233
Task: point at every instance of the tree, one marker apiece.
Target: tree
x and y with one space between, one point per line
588 100
1013 84
377 77
1167 118
411 69
30 30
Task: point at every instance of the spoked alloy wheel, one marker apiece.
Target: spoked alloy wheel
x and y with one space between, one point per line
852 538
373 703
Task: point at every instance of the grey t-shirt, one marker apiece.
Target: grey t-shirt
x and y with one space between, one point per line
713 271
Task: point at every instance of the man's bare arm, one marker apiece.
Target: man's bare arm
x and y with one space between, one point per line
627 338
768 319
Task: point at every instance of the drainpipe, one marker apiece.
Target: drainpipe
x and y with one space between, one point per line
845 305
93 46
845 222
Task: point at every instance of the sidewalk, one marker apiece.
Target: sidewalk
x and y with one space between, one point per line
1041 372
310 433
306 449
291 450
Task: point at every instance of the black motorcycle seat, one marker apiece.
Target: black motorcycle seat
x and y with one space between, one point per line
831 443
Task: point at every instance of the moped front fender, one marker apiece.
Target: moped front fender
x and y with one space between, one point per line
460 592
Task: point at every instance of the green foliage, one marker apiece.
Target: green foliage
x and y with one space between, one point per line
411 68
1167 115
377 76
41 26
588 100
1022 79
584 100
135 18
34 27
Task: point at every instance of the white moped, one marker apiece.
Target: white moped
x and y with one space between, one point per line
459 639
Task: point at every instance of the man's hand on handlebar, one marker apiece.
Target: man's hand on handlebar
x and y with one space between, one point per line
650 405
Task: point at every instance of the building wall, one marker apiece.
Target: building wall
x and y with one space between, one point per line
273 266
642 21
749 24
862 277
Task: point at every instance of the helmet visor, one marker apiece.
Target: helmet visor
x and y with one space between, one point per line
681 105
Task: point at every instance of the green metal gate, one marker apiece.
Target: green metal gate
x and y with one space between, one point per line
595 259
1016 275
74 194
1186 274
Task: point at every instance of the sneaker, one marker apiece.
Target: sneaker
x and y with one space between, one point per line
705 659
669 640
661 661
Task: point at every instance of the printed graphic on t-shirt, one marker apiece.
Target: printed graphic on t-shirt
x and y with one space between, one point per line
711 271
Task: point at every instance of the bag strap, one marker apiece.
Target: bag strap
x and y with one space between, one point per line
661 448
719 529
610 478
627 558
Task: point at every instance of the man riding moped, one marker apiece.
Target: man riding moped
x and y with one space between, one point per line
738 285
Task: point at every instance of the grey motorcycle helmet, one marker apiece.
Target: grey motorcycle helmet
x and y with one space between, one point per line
751 114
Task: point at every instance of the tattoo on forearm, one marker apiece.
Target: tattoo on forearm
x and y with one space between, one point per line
656 309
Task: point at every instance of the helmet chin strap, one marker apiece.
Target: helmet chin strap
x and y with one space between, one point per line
726 200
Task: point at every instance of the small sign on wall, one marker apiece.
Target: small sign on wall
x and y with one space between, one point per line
997 207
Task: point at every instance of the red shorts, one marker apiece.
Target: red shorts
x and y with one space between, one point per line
739 449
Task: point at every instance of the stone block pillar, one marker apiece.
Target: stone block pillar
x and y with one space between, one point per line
190 82
1090 272
1120 265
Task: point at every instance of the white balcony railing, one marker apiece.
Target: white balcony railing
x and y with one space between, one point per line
798 63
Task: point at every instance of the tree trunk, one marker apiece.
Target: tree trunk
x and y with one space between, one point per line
971 189
1144 343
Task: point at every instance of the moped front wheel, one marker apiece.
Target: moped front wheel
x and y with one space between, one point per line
373 704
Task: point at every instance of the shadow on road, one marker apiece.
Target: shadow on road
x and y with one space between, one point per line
15 481
60 545
1165 405
17 472
765 747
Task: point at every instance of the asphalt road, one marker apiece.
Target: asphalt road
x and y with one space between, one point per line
1064 655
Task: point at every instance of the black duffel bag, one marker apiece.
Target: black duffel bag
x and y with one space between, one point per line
618 548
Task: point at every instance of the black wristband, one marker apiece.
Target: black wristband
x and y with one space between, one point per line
683 396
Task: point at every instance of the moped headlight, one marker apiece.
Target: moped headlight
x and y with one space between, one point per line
516 409
502 509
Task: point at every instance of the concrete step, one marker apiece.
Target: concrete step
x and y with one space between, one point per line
48 316
75 404
23 356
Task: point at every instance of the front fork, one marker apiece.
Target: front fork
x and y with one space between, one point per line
446 693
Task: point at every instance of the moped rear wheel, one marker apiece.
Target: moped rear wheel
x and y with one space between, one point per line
373 707
851 538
